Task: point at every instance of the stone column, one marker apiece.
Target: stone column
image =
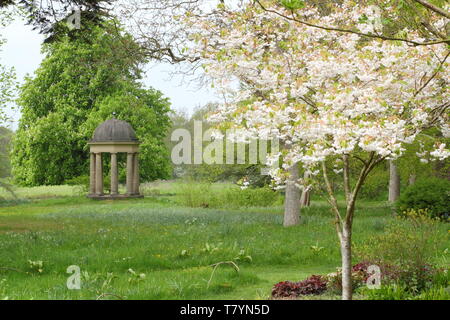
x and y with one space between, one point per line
129 173
114 175
98 174
136 174
92 175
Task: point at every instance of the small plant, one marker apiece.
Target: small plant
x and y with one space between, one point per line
191 222
184 253
286 289
135 277
99 284
211 248
316 249
242 256
36 266
314 285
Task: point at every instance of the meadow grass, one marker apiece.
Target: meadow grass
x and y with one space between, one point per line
174 246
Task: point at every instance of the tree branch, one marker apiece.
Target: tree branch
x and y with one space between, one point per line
346 178
433 8
433 76
327 28
332 198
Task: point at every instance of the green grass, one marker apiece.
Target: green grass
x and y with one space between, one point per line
174 246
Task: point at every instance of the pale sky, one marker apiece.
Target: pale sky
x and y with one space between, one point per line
22 51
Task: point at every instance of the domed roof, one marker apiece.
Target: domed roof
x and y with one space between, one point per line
114 130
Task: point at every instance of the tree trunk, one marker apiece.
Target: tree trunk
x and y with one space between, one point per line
346 253
412 179
305 199
394 182
292 200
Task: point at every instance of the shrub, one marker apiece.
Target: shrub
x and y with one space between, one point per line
314 285
408 246
432 194
286 289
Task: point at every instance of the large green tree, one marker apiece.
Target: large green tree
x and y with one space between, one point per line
79 84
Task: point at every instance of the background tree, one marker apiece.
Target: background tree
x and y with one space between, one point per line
79 83
236 172
8 82
8 87
394 181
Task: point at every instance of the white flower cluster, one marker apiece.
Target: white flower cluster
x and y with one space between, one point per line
322 93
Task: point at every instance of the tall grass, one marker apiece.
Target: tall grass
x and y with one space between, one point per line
205 195
42 192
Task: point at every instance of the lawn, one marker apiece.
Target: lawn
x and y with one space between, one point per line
116 243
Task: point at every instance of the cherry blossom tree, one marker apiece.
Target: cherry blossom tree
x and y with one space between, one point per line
331 97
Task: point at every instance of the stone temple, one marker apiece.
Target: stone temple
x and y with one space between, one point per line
112 137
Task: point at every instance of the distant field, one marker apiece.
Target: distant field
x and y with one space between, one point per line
116 243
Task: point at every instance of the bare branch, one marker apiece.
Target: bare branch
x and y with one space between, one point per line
346 178
433 8
332 198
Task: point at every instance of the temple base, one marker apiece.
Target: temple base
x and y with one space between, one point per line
115 197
